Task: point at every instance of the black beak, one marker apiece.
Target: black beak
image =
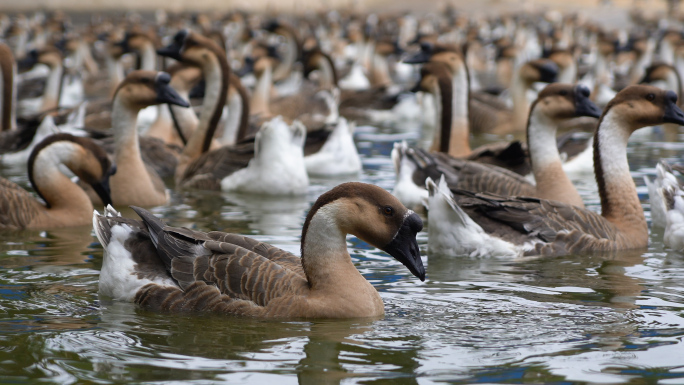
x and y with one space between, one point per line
421 57
584 106
246 68
123 44
102 187
673 114
166 94
404 247
28 62
548 71
172 50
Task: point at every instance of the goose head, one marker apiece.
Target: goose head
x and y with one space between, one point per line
184 76
263 58
191 47
375 216
662 75
560 101
50 56
642 105
145 88
82 156
540 70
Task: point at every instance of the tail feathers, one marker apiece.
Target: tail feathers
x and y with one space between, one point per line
154 225
102 224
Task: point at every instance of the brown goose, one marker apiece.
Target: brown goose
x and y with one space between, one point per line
178 269
136 182
482 224
555 105
66 204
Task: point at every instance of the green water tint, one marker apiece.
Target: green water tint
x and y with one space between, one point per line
577 319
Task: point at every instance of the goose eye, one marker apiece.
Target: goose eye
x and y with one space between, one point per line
563 92
388 211
650 97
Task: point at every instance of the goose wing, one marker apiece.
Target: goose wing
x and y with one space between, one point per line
215 274
17 206
207 171
547 227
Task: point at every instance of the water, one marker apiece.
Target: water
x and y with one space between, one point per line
577 319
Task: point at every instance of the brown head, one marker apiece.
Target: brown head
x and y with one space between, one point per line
658 72
540 70
315 59
82 156
184 76
191 47
562 57
48 55
146 88
560 101
375 216
643 105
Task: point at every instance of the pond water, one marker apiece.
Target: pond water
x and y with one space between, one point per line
577 319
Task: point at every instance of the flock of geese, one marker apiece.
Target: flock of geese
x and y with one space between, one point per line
256 105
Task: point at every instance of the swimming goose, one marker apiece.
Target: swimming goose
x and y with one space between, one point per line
136 182
195 49
556 104
452 108
668 201
482 224
664 180
52 58
176 269
175 124
66 204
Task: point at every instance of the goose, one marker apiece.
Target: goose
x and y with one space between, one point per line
175 124
452 109
556 104
277 167
668 202
483 224
52 58
137 183
193 48
66 204
175 269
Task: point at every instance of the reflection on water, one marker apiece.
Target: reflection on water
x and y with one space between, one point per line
590 318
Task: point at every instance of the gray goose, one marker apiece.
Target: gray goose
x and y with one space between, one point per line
175 269
555 105
66 204
485 224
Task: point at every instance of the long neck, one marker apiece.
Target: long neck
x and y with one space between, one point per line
284 69
262 93
666 53
521 106
148 57
328 73
552 182
115 72
379 71
216 79
8 95
324 250
619 201
451 98
53 88
569 73
674 82
124 127
58 191
230 129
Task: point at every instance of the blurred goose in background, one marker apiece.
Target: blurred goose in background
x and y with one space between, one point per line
482 224
66 204
172 268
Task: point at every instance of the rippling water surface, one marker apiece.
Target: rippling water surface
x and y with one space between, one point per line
577 319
